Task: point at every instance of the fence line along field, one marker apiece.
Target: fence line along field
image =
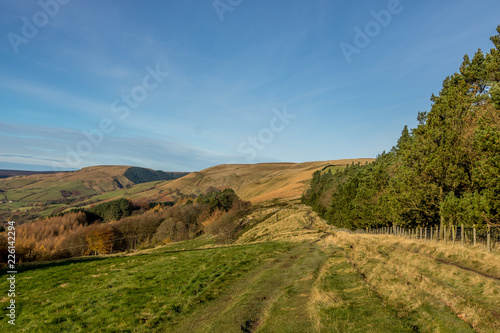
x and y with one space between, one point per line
488 238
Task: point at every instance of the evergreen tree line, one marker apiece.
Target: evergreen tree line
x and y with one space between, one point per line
444 171
107 211
141 175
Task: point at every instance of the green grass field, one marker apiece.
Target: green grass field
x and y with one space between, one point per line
15 191
145 291
25 197
298 280
186 287
132 193
263 286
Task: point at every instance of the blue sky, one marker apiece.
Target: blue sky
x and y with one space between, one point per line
185 85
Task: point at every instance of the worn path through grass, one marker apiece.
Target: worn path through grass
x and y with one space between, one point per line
310 288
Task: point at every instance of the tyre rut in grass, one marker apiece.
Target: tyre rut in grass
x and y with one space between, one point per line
258 300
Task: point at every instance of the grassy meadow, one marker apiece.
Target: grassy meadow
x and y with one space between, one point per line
288 272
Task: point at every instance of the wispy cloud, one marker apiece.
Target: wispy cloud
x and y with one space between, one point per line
54 96
24 145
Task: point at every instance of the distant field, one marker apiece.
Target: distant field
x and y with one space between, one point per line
288 272
13 173
135 192
52 187
101 183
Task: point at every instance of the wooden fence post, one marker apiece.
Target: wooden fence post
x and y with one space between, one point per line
488 239
475 236
462 233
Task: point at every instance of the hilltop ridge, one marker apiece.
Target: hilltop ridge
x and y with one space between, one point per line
252 182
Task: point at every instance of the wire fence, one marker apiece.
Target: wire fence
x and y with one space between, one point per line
489 238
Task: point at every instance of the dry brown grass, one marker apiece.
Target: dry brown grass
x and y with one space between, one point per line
475 258
413 280
252 182
292 223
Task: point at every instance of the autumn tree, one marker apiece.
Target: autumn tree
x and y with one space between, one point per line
100 239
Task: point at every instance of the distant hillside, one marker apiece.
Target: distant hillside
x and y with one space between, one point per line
253 182
142 175
13 173
86 182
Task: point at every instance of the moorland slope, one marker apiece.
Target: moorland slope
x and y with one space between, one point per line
252 182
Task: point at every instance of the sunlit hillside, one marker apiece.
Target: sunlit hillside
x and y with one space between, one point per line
253 182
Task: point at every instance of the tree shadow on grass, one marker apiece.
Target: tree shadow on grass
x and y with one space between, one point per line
25 267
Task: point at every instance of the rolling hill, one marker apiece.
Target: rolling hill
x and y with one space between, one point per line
71 185
252 182
45 194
